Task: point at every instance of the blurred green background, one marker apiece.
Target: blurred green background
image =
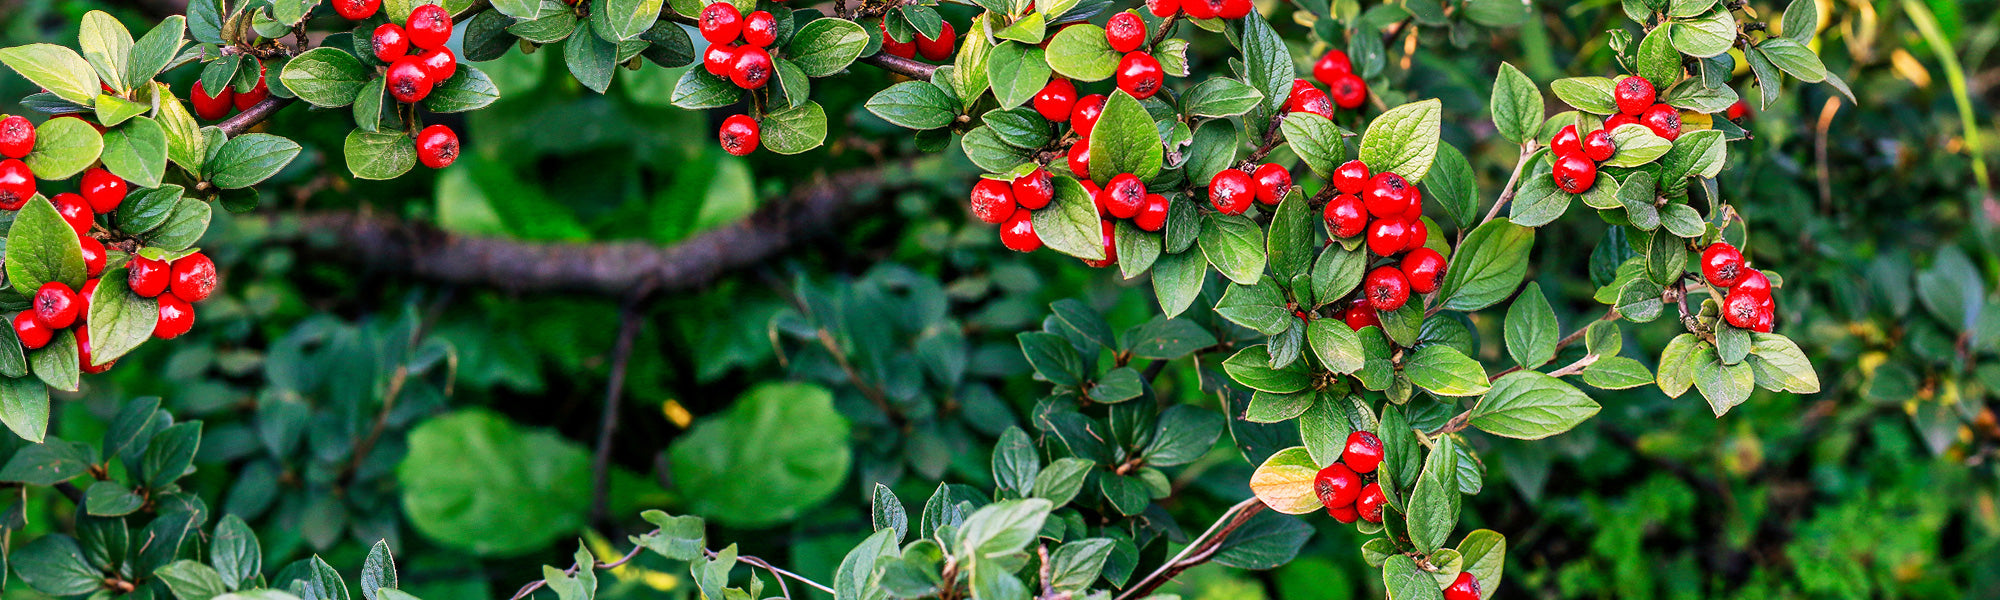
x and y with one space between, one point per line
1882 486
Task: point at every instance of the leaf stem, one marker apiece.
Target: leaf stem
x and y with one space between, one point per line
1507 193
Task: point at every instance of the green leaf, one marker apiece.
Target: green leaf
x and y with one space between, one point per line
1317 141
1801 20
24 407
1724 386
1234 244
1284 481
1404 581
1658 62
592 60
1516 105
1488 266
1637 145
1220 97
1794 59
824 47
913 104
1587 94
57 364
1453 186
1709 35
1616 373
1137 248
379 156
1434 504
54 565
63 148
1062 479
1539 202
1337 272
155 50
582 585
249 159
1699 153
120 319
1779 365
169 454
779 450
183 228
1167 339
1692 94
378 571
683 538
1183 435
857 575
137 152
1293 238
621 20
107 45
1078 563
56 69
1445 372
1177 280
697 89
42 248
325 77
1251 367
190 580
1337 347
794 130
1403 140
985 149
1260 307
237 556
1531 328
1485 553
1124 141
468 89
113 110
1266 407
1267 63
1530 405
1214 149
1017 72
1082 53
1002 527
476 482
1069 224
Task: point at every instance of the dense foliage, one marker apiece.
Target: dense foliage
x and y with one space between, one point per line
1508 244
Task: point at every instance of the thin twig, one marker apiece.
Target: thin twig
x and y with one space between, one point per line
600 462
781 573
537 584
381 424
1459 421
1199 550
1507 193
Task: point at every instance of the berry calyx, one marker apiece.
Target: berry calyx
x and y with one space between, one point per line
193 277
147 277
1084 117
1363 452
102 190
1123 196
1387 288
17 137
32 333
1351 177
1337 485
1741 308
1360 315
760 29
1574 173
93 256
355 10
1079 160
1163 8
75 211
440 63
739 135
717 59
1345 216
751 69
212 107
1566 142
1388 195
1056 100
1465 587
1126 32
17 184
1370 503
175 318
1331 65
437 146
1231 191
429 26
992 201
1348 91
1388 236
1722 264
1139 74
1664 120
1272 183
1018 233
257 93
409 82
1034 190
940 47
1598 146
390 42
1425 269
1152 216
1634 95
894 48
56 305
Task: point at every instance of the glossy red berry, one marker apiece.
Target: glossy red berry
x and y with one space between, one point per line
1110 247
1152 216
1574 173
1361 314
1308 99
1741 308
1613 122
1753 282
1664 120
1634 95
751 69
1123 196
441 64
718 58
1331 65
390 42
1034 190
193 277
1722 264
429 26
17 184
760 29
1351 178
1598 146
1018 233
17 137
1079 160
1233 9
1425 269
1767 317
409 82
75 211
32 333
1388 195
740 135
1465 587
1348 91
176 317
1416 235
1056 100
257 93
147 277
1337 485
1345 216
992 201
1370 503
894 48
1139 74
1387 288
1737 111
93 256
1126 32
1273 181
83 358
940 47
355 10
1363 452
56 305
1388 236
1343 514
1084 118
1201 9
212 108
437 146
1163 8
1231 191
1566 142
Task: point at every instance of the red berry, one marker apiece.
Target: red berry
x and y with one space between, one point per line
1163 8
355 10
1722 264
17 184
1348 91
1416 235
1124 196
1233 9
1345 216
1152 216
93 256
176 317
721 23
33 333
1362 452
1387 288
1201 9
1351 178
1231 191
1425 269
213 108
1084 117
751 69
147 277
1337 486
1415 210
1139 74
440 63
1574 173
1388 195
1633 94
1343 514
193 277
717 58
1272 183
1309 99
1018 234
1741 308
1056 100
1737 111
390 42
1331 65
1753 282
1388 236
56 305
1370 503
1598 146
894 48
1465 587
1126 32
83 351
409 82
102 190
739 135
75 211
760 29
429 26
17 137
1079 161
1034 190
1566 142
437 146
1664 120
1767 317
940 47
1110 248
992 201
257 93
1615 121
1360 315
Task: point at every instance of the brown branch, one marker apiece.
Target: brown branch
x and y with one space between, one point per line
1198 551
258 113
537 584
906 67
600 461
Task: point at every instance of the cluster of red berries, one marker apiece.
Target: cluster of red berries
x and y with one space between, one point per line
1344 89
1058 103
56 307
411 75
17 182
1748 305
1576 158
214 107
1343 486
1007 204
932 49
1201 9
1139 74
1637 104
1231 190
1389 211
747 65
